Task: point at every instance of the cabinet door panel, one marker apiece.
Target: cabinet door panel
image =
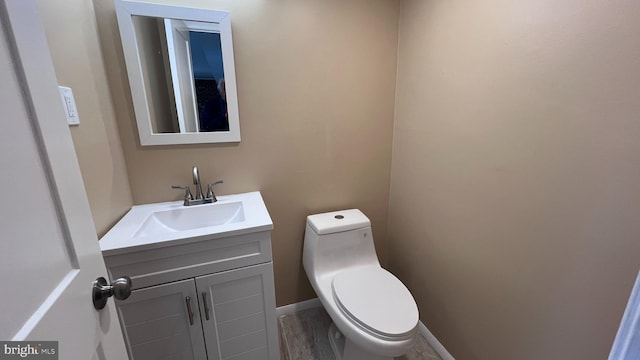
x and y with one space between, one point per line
242 322
160 328
258 354
237 309
244 325
233 290
176 346
156 322
242 344
162 306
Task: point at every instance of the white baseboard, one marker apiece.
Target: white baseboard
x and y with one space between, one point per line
299 306
433 341
314 303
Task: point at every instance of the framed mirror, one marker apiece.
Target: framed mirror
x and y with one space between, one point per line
181 72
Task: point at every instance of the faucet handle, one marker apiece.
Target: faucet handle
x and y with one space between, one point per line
210 194
187 193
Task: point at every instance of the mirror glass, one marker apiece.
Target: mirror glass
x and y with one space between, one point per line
181 72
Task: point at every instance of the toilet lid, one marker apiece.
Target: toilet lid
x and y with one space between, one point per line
376 300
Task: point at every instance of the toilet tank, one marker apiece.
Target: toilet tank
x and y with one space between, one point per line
337 240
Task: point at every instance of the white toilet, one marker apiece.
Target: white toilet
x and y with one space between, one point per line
375 314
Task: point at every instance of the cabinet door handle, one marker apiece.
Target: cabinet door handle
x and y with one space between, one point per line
206 305
187 299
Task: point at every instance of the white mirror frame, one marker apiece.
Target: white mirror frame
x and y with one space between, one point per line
125 9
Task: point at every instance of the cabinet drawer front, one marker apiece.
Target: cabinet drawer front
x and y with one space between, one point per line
156 266
156 322
242 313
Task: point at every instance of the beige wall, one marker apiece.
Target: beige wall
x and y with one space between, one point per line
316 87
515 188
75 50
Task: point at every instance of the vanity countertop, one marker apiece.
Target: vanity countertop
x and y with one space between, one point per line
159 225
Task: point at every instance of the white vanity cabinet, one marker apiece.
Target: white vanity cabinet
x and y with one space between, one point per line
235 313
212 298
157 322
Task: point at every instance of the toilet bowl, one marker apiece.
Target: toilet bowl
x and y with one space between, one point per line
369 306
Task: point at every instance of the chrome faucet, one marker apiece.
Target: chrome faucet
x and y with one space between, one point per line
200 198
196 183
210 194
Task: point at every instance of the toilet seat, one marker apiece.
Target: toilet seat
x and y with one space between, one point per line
376 301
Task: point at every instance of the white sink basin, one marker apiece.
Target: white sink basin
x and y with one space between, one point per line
192 217
164 224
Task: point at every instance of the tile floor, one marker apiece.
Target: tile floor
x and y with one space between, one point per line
303 336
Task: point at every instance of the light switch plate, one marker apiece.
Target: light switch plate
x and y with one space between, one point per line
69 104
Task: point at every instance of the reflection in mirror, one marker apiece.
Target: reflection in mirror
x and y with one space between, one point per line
195 58
209 81
181 73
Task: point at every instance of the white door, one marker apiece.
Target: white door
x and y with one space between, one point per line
49 254
179 48
627 342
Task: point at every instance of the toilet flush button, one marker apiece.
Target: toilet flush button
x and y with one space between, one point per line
339 217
